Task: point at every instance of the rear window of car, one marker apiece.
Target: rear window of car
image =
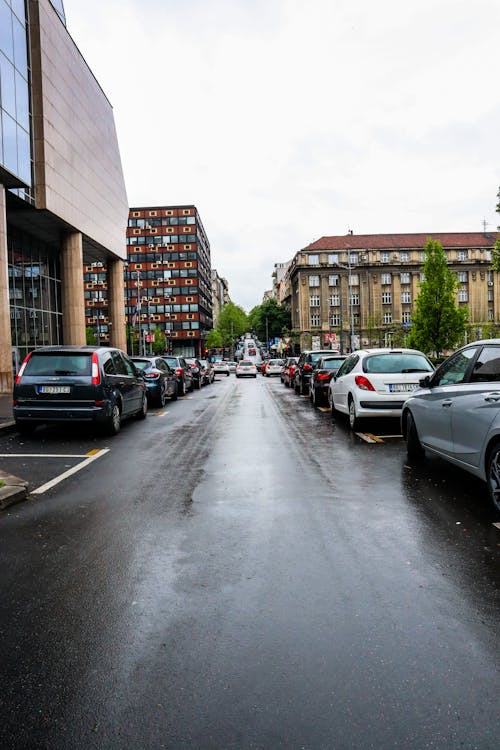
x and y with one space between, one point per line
171 361
314 356
59 364
245 363
141 364
396 363
332 364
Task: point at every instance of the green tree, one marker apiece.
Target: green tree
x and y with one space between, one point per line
90 336
232 323
438 323
270 320
159 341
214 339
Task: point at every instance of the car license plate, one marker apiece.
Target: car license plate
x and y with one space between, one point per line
54 389
402 387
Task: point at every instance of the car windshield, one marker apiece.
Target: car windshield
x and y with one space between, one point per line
276 362
59 364
171 361
396 362
332 364
246 363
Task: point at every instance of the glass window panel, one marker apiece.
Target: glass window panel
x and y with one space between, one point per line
7 85
20 53
18 8
6 37
9 135
23 155
22 102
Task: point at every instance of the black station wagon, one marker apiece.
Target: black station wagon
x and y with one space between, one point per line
58 384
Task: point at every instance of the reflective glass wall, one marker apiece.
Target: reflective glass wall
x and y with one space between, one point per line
15 140
35 294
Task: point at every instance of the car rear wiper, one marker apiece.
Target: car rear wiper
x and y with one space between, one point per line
414 369
66 372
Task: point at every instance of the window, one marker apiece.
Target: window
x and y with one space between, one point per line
490 314
422 257
333 259
352 258
386 278
404 256
406 298
335 319
490 295
386 298
333 280
405 278
490 276
454 369
334 300
314 300
387 317
315 320
463 295
406 317
313 280
313 260
384 257
462 254
463 277
355 298
422 277
354 279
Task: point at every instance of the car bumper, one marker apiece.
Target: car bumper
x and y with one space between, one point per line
381 408
41 414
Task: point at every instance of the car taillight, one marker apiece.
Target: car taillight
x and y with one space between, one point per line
363 383
152 375
96 374
178 372
307 367
323 376
22 368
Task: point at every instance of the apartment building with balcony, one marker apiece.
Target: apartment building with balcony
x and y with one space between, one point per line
220 295
62 193
367 285
167 282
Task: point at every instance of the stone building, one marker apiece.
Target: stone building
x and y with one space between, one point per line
359 290
62 193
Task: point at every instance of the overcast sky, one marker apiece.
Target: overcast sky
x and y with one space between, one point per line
284 120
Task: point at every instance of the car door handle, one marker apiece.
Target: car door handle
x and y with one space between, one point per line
492 397
447 403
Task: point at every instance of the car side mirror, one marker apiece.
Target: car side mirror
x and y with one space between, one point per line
425 382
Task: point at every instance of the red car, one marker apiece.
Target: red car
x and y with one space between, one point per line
288 373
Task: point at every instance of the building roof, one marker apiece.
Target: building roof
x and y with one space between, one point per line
390 241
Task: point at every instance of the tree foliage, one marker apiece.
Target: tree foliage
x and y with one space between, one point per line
438 323
278 319
232 323
90 336
214 339
159 341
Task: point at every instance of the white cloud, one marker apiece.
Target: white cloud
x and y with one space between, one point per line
284 121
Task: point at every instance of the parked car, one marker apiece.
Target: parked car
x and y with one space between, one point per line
455 414
274 367
302 373
196 371
68 384
221 367
182 372
376 382
323 371
208 371
160 379
246 369
232 366
252 351
288 372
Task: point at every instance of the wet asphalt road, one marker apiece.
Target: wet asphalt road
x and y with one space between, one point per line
242 572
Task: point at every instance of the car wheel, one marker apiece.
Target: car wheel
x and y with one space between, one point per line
114 422
331 404
143 411
296 388
173 397
302 390
413 445
198 384
181 391
493 477
353 417
227 374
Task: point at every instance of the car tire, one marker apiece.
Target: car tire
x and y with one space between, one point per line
333 410
181 391
163 398
493 477
296 388
198 384
173 397
114 421
227 374
143 411
413 445
302 390
353 417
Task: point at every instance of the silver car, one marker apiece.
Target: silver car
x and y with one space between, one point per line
455 414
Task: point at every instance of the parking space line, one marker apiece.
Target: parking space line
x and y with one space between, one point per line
44 455
368 438
90 458
324 408
388 436
496 525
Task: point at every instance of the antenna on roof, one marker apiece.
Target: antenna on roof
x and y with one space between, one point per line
349 231
485 224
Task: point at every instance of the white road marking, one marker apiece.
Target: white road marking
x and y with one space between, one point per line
324 408
90 458
497 525
367 438
43 455
389 436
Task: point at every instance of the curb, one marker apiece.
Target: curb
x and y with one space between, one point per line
13 490
7 425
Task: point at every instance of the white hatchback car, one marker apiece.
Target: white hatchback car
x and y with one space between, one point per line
376 383
274 367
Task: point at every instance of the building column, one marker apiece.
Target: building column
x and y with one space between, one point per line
73 305
116 304
6 379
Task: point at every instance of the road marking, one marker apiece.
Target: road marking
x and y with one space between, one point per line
48 485
388 436
367 437
160 413
324 408
497 525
